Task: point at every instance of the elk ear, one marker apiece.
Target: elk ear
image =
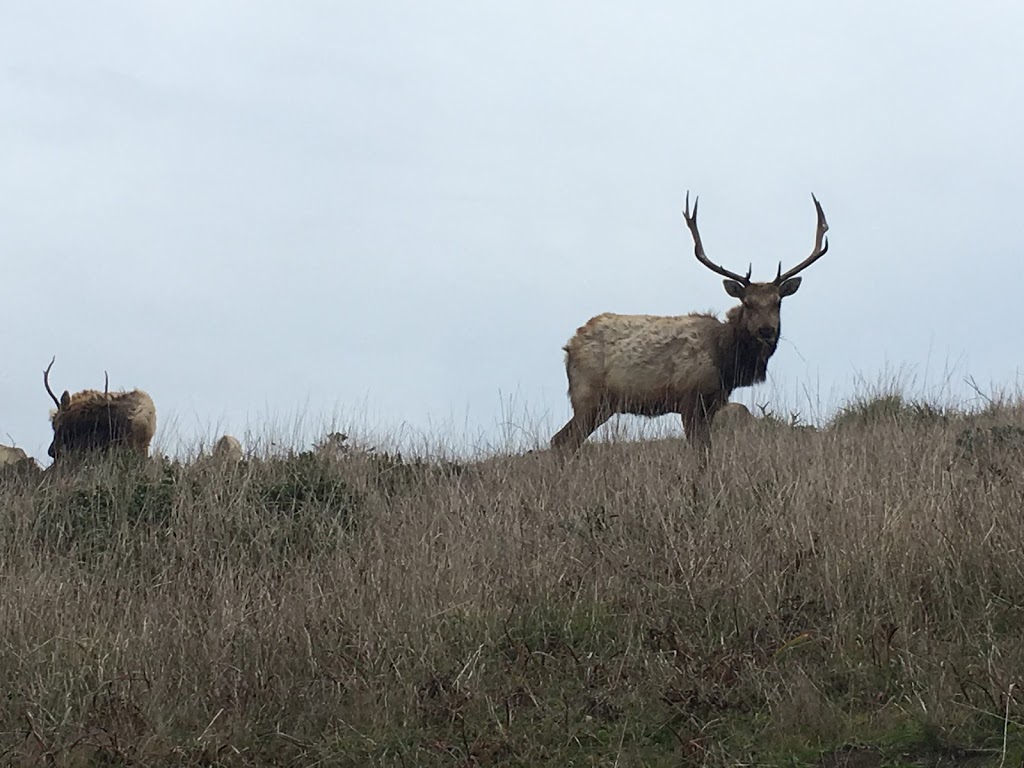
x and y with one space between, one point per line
788 287
65 400
734 288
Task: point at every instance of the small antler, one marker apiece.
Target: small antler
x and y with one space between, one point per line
698 247
820 246
106 384
46 381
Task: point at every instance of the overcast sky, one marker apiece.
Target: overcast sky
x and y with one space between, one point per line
398 213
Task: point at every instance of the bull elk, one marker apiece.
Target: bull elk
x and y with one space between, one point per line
93 421
649 365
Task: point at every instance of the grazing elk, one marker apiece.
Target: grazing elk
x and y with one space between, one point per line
227 450
90 420
733 416
10 455
15 460
15 463
688 364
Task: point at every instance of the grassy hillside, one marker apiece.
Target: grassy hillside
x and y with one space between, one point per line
846 596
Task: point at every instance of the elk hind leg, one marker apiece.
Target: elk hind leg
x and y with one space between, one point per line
579 428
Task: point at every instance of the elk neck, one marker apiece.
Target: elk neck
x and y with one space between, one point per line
743 359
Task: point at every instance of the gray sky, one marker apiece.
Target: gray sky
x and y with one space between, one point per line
400 212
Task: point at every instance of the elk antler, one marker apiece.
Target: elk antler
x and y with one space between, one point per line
698 247
46 381
820 246
106 384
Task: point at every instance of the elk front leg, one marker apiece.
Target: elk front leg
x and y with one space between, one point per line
697 425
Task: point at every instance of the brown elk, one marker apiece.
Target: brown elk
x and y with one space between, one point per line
91 421
687 364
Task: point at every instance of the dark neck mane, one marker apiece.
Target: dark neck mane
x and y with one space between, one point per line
743 359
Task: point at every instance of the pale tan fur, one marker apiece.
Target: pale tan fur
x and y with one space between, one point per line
227 450
646 365
733 416
642 357
11 455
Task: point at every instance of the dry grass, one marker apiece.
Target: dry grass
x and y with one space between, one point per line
849 596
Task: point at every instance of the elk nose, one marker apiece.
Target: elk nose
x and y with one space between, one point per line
767 333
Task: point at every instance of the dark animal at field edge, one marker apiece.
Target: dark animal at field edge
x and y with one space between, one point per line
91 421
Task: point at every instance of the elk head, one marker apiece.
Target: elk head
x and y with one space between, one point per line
758 313
63 403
